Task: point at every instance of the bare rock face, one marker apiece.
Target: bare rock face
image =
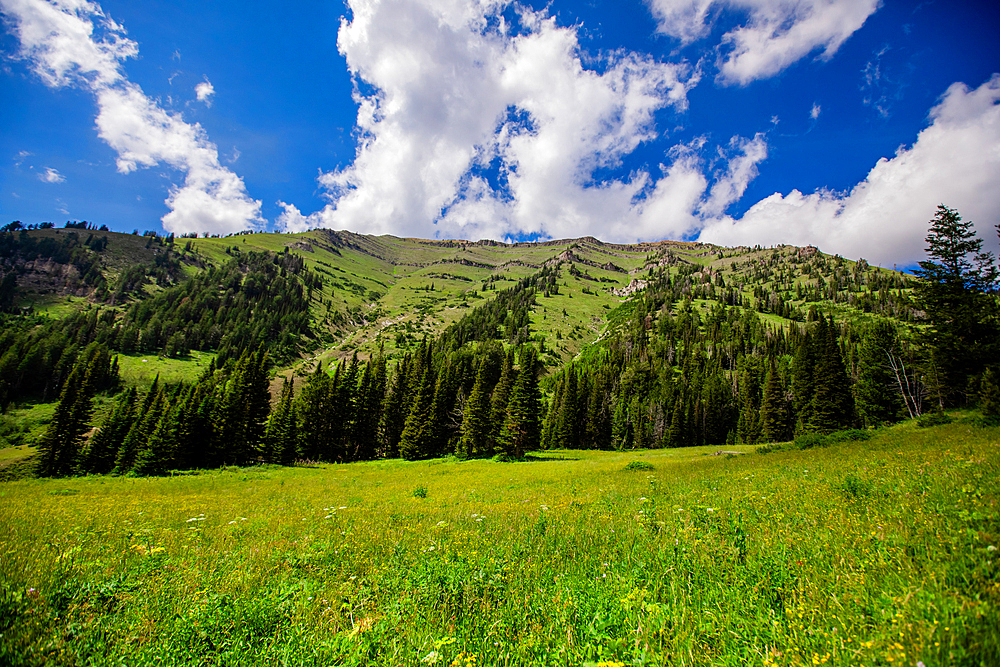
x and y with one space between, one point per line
630 289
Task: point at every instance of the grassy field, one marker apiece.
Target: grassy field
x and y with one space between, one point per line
869 553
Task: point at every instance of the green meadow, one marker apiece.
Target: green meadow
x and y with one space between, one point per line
881 552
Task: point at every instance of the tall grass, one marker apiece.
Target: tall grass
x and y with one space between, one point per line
877 552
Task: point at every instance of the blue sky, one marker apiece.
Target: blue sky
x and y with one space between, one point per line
838 123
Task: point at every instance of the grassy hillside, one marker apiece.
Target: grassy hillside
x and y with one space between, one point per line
875 553
391 291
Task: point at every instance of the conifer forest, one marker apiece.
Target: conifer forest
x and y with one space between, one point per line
335 347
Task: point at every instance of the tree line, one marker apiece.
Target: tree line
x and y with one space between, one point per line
669 373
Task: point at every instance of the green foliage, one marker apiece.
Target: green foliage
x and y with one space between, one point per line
420 492
964 333
639 465
256 299
934 419
876 391
568 560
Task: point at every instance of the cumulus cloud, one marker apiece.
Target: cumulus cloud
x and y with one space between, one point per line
204 92
955 161
51 176
73 43
815 111
742 159
776 34
477 128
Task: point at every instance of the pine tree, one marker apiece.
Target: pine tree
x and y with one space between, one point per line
773 415
476 428
832 405
393 414
568 422
748 427
549 430
146 419
242 410
156 455
99 456
500 398
964 333
676 436
60 445
876 393
621 424
804 380
411 441
280 438
522 428
312 409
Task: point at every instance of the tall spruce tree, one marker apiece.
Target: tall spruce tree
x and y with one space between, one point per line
413 438
804 379
522 427
877 395
312 409
281 435
60 445
964 333
773 411
476 429
146 419
832 406
99 456
500 398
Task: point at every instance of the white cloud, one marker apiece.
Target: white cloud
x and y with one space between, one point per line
51 176
741 169
815 111
463 102
955 161
204 91
777 33
73 43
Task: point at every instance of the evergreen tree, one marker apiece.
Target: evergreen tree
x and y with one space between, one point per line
677 435
500 398
393 414
989 393
146 420
60 445
568 422
876 393
748 428
832 405
156 455
242 409
412 440
312 409
99 456
280 438
476 429
522 426
621 424
549 430
964 333
804 380
773 413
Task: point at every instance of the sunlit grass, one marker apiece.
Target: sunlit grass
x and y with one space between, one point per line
863 553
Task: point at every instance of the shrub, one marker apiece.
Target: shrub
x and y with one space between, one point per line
933 419
639 465
420 492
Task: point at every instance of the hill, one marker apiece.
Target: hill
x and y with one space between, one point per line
655 344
